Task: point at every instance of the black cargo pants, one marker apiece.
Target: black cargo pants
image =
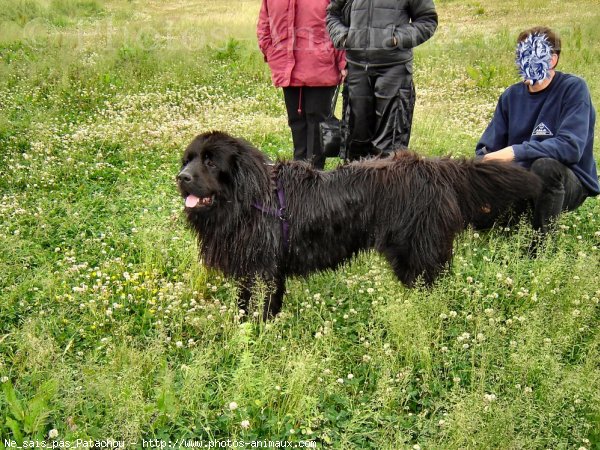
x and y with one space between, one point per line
382 101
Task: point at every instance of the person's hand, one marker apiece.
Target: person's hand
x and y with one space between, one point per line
505 154
343 75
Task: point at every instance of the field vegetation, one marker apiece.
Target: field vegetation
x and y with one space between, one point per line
111 329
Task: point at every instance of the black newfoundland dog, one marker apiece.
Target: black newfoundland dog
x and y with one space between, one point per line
257 220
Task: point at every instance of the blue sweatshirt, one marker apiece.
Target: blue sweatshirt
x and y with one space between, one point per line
557 123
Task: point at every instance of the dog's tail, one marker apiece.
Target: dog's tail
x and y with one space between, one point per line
488 190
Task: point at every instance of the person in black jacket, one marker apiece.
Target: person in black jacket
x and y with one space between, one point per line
378 36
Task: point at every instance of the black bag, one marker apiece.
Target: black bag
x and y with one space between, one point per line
330 131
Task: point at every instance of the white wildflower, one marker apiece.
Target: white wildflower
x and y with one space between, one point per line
489 398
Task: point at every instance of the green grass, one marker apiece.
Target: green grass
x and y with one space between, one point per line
111 329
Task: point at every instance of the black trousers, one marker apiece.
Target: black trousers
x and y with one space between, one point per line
306 107
561 191
382 101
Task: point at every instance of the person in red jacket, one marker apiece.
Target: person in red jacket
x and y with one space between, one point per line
293 38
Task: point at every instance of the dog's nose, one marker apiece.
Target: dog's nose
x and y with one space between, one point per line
184 177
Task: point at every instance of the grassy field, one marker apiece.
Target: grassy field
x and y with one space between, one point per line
110 329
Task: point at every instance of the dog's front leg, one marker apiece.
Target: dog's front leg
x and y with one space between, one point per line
274 298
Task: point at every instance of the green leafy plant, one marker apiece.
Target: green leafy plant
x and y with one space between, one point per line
483 74
28 419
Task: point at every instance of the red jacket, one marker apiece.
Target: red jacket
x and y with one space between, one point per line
296 45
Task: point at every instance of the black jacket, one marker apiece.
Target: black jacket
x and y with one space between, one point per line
380 32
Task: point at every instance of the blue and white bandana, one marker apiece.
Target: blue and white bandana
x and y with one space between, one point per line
534 56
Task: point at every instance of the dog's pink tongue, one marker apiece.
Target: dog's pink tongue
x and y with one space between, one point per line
191 201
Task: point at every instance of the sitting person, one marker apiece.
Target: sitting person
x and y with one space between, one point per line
546 124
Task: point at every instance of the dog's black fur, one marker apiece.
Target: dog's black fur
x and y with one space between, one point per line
404 206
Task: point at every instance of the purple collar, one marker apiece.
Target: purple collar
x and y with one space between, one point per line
280 214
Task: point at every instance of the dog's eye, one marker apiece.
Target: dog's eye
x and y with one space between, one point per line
208 163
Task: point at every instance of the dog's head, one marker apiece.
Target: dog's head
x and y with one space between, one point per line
210 172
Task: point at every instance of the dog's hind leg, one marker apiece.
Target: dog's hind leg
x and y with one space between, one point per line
424 257
399 258
409 267
274 299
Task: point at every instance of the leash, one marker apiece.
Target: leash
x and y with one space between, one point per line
279 213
